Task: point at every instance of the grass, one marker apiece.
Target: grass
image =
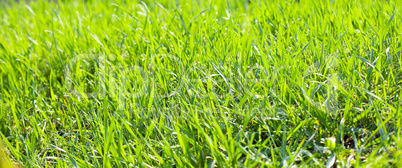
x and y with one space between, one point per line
215 83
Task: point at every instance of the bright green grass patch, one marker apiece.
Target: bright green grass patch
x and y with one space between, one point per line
201 83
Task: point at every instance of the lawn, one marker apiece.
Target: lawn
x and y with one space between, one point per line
214 83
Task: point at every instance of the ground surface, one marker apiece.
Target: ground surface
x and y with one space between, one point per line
201 83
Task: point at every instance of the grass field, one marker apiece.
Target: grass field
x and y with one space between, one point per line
215 83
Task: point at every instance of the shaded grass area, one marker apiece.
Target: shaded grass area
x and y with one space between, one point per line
201 83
